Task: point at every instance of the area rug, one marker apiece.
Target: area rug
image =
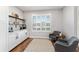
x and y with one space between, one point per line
40 45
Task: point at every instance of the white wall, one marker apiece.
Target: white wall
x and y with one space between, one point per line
4 28
78 22
68 21
55 22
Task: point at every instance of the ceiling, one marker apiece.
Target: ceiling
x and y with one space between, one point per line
36 8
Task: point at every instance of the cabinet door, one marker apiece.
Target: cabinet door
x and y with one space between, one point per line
11 42
24 35
21 36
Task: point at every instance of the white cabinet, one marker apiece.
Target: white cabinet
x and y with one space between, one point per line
16 37
21 35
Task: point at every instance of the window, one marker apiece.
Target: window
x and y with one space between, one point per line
41 22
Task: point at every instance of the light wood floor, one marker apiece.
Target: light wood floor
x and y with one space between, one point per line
21 47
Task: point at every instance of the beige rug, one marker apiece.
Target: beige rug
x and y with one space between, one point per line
40 45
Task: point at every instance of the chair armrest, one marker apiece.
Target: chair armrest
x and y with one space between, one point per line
62 43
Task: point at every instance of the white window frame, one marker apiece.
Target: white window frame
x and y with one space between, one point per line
49 21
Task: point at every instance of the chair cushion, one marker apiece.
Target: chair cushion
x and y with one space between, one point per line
72 39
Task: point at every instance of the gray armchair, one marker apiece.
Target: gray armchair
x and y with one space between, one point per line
54 36
66 45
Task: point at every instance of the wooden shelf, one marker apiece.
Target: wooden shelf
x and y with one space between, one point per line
16 17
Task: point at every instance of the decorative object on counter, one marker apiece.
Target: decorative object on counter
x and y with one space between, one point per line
16 23
10 28
20 26
24 26
15 14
